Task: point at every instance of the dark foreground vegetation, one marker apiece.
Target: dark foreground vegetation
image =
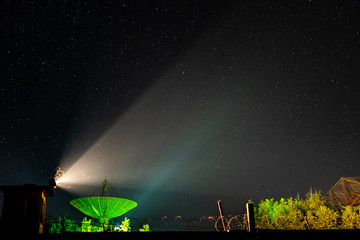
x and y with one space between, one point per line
311 213
291 218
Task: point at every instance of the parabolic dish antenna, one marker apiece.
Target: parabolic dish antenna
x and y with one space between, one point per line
103 208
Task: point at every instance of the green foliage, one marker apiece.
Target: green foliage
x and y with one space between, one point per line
70 225
267 207
312 202
124 227
279 215
101 226
56 227
310 213
350 217
145 228
322 218
63 224
289 215
85 225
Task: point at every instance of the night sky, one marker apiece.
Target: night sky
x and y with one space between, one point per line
181 103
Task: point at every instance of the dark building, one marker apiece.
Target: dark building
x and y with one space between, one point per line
24 207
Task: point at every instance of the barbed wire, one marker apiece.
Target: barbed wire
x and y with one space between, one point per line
179 223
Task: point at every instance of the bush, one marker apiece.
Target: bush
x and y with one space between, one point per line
145 228
311 213
284 214
124 227
350 217
322 218
86 225
63 224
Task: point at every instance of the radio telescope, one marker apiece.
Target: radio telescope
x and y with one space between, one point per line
103 207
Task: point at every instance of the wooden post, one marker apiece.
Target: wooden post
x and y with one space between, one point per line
221 214
250 217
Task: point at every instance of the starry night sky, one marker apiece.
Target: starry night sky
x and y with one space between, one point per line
211 99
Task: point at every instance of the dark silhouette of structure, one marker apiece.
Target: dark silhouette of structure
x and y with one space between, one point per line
25 207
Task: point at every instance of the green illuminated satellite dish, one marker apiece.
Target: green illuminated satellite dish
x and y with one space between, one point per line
103 207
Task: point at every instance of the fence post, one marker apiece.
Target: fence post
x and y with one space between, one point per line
221 214
250 217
